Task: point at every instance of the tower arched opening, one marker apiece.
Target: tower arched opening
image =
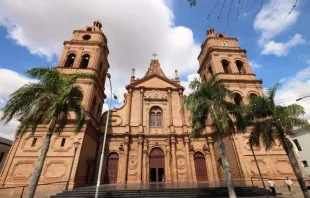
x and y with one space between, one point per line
226 68
238 99
70 60
85 61
240 67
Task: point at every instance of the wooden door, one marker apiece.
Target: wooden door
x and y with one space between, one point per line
111 169
157 165
200 167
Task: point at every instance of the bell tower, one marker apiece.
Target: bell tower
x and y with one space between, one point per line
87 52
222 57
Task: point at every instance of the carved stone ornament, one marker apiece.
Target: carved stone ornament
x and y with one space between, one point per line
206 148
155 94
121 147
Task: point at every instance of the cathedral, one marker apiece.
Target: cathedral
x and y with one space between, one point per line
148 138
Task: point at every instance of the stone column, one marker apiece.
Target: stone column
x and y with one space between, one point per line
129 106
210 172
214 167
170 108
168 171
141 107
125 162
189 168
192 162
174 160
144 162
181 104
140 143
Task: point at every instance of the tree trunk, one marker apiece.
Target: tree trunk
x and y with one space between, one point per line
290 153
39 166
230 185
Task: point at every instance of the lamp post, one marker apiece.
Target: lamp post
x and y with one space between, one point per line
104 139
298 99
76 146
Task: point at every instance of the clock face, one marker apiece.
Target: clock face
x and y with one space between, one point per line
224 43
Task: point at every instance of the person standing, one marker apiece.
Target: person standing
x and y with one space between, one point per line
272 187
289 184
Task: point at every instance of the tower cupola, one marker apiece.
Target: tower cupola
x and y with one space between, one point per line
97 24
210 32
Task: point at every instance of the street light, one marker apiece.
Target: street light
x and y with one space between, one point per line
298 99
104 139
76 146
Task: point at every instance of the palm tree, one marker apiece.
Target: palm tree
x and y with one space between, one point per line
47 101
212 99
273 122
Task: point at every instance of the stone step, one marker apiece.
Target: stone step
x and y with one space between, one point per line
88 192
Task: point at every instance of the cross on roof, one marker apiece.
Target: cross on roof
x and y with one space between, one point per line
154 55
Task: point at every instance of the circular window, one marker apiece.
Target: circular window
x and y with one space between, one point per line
86 37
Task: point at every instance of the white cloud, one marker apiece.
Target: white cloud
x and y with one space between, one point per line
10 81
134 29
254 64
8 130
282 49
271 21
294 87
185 84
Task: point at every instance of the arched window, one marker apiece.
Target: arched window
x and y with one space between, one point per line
89 29
70 60
225 65
85 61
240 67
238 99
155 117
158 119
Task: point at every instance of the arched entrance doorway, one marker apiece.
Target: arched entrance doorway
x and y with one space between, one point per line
157 165
110 176
200 167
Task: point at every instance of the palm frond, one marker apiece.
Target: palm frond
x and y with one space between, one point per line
53 96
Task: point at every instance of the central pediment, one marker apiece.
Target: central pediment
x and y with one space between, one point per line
154 81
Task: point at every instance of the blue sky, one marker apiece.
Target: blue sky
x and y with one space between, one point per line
277 48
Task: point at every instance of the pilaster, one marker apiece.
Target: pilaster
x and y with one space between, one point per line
174 161
141 109
189 168
144 162
129 107
125 160
140 144
214 167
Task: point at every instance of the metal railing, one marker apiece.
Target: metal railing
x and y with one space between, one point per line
23 187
